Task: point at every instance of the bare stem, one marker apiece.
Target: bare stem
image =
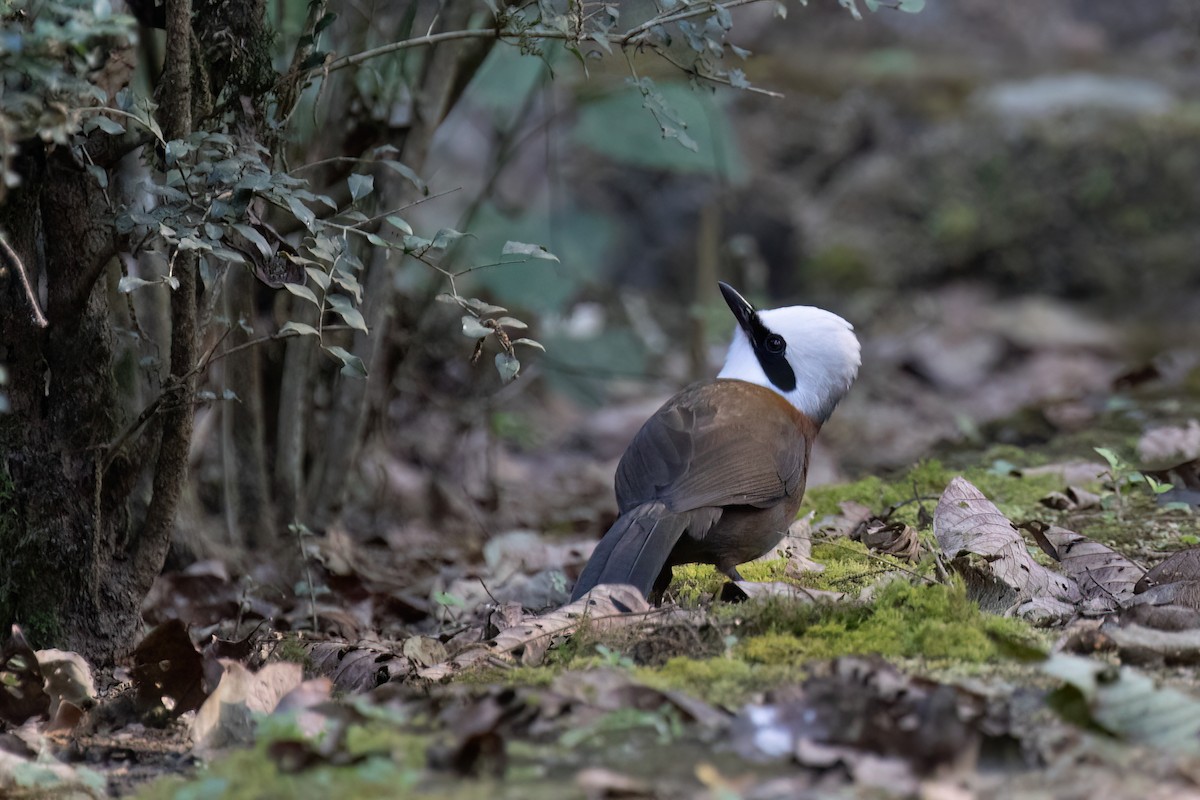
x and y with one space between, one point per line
15 260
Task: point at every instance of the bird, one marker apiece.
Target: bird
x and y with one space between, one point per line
716 475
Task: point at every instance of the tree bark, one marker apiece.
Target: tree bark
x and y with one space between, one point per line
75 568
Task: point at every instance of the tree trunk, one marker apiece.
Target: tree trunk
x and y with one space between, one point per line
74 567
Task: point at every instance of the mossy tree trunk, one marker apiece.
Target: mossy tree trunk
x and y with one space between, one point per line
75 565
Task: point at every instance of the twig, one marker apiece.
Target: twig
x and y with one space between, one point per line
15 260
695 11
301 529
632 36
203 363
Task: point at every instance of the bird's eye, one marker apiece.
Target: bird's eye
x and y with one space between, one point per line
774 344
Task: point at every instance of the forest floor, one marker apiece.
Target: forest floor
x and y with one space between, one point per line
979 624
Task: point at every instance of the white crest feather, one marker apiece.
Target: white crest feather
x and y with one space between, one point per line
822 350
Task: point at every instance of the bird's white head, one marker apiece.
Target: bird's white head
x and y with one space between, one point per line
808 355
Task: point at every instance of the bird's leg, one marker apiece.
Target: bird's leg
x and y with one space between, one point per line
733 574
660 585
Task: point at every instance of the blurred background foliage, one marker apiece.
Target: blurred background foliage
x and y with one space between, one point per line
921 174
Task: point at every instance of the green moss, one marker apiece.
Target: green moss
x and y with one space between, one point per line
849 567
725 681
521 676
292 649
1013 495
691 582
930 621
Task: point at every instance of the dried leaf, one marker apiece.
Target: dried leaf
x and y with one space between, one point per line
967 523
357 667
1073 499
168 673
1183 565
1170 444
893 538
424 650
68 683
227 717
21 681
1098 570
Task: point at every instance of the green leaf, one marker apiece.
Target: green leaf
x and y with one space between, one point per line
299 328
530 343
377 240
348 282
1125 703
301 211
912 6
407 172
1112 458
473 329
511 322
481 307
99 173
254 236
360 185
414 243
319 276
446 237
399 224
109 125
352 365
508 367
532 250
341 305
189 243
129 283
300 290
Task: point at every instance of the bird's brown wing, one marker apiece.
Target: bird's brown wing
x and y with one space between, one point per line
718 443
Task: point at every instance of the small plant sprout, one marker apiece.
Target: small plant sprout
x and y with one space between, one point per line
1122 474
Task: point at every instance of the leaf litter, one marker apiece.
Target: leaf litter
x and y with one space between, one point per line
882 727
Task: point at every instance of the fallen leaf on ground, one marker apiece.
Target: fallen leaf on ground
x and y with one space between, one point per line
866 715
968 524
1074 498
21 681
227 716
168 673
1099 571
1183 565
1170 443
47 777
69 685
357 667
1125 703
893 538
1138 644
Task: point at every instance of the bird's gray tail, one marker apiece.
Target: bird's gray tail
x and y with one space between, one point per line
634 550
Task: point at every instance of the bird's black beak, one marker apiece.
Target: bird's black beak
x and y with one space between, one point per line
739 306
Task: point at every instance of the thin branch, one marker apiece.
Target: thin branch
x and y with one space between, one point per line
420 41
15 260
695 11
631 36
205 361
